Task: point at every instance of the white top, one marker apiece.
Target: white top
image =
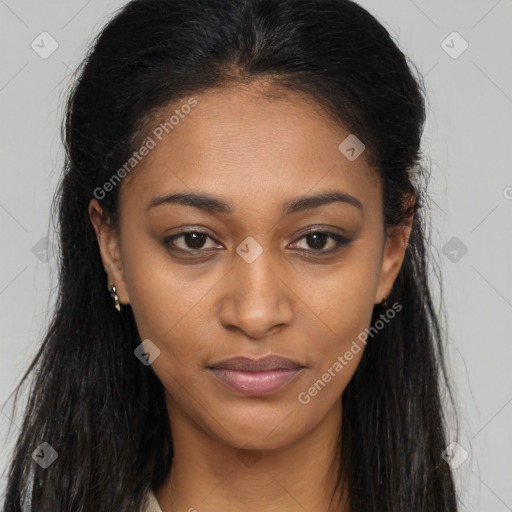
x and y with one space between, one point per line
153 505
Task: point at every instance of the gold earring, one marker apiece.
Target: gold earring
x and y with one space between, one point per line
112 290
384 304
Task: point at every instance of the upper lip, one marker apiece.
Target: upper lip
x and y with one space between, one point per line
247 364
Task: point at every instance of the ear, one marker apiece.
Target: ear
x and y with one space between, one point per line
108 242
394 252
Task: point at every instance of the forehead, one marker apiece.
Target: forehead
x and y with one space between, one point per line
251 146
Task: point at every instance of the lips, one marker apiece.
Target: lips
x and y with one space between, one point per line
268 363
256 377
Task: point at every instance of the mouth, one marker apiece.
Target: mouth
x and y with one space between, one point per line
253 377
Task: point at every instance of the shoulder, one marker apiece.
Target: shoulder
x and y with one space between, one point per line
152 503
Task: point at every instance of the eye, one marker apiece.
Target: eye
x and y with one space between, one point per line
192 241
319 239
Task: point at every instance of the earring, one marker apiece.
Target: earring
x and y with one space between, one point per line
384 304
112 290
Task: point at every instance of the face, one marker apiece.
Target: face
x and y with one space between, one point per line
257 270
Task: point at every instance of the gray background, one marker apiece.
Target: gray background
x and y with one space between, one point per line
468 140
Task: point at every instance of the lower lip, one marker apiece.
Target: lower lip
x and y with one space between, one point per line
255 383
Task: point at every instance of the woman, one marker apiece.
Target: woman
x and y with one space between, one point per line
244 318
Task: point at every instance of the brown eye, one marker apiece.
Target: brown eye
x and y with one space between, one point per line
318 240
191 241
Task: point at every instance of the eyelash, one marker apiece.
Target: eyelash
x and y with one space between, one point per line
340 242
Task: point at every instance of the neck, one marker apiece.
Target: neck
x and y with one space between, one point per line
207 474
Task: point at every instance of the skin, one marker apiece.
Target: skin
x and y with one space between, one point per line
256 151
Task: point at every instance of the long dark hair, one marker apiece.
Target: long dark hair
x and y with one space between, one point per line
91 399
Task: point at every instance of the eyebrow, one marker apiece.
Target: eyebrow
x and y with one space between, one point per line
214 204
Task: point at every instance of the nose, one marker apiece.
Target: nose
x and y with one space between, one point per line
256 298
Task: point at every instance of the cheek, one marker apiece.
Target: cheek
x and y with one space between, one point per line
164 295
338 349
342 296
335 321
